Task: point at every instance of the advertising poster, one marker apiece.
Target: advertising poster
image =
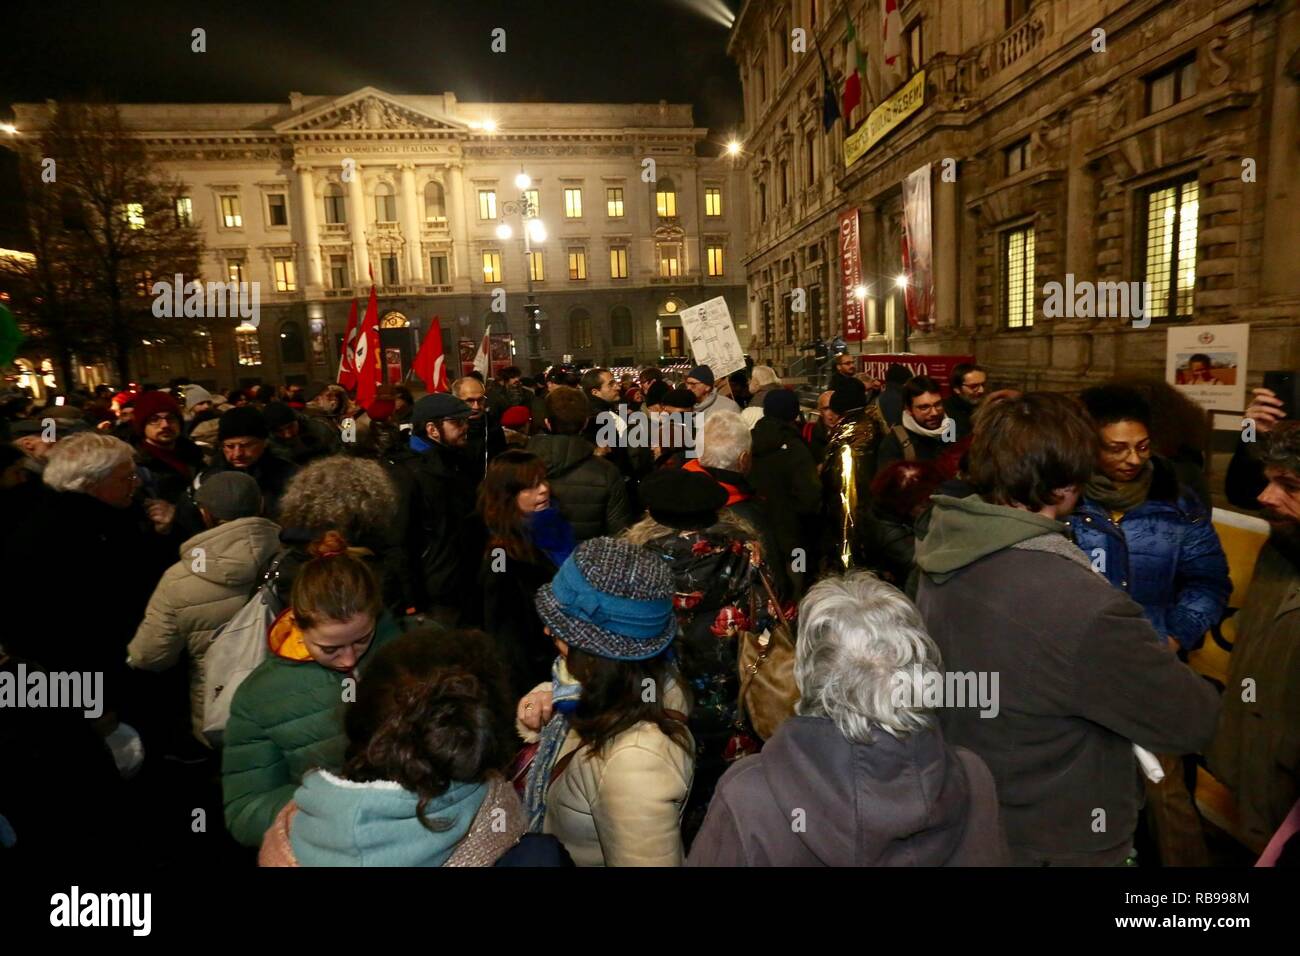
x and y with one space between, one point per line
851 277
937 367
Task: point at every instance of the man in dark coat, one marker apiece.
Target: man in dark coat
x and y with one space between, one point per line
925 432
170 459
968 383
1083 676
783 473
590 492
891 395
485 439
301 438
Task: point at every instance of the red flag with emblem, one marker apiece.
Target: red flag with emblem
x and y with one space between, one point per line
430 363
347 354
369 374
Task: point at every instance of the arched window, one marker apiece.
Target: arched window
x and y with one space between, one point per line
291 347
579 329
666 197
435 200
620 325
385 203
335 206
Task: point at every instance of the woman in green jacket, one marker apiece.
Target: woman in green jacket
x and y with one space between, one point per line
285 719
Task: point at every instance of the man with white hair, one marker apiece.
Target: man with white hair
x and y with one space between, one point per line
862 775
726 454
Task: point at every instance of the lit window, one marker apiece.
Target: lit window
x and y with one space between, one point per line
577 263
285 275
1171 85
580 329
715 260
248 346
133 212
278 209
438 270
535 267
618 262
573 204
230 212
670 262
1018 277
1171 213
184 211
487 204
235 270
614 202
713 201
491 266
666 198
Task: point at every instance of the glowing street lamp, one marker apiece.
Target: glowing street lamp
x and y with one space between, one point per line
860 292
733 148
504 231
523 180
901 281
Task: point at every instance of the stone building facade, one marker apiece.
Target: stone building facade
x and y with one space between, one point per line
1108 140
308 196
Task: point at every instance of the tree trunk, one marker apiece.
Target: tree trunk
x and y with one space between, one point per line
67 376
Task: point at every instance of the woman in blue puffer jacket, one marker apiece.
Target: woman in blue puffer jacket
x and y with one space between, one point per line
1153 537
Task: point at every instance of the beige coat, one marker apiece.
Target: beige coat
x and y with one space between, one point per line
214 578
622 807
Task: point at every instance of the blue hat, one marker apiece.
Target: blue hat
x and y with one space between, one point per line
613 599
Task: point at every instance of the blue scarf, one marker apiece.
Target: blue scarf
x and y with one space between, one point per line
551 533
564 697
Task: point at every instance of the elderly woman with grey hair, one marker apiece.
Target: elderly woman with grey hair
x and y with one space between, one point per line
862 775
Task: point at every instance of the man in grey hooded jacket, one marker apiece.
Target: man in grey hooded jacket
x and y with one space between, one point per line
1082 674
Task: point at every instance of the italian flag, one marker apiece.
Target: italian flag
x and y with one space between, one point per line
855 72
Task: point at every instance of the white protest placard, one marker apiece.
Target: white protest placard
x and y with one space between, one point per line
713 338
1207 363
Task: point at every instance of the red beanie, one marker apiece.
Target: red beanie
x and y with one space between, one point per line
149 404
516 416
381 409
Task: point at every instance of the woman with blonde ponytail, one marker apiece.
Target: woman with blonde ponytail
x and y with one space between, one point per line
285 719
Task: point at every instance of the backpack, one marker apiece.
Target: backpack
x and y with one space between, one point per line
235 650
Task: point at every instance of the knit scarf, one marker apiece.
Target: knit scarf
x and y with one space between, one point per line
912 425
551 534
168 457
1120 496
565 694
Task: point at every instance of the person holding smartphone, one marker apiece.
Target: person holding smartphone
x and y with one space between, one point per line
1245 480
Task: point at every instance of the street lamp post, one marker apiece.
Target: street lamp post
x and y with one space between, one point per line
533 230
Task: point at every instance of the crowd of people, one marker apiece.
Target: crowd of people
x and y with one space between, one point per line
494 636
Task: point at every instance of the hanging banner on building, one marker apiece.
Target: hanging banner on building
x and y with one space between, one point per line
884 118
851 276
918 258
937 367
1207 363
713 338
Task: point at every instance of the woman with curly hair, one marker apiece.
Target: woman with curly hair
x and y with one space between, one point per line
420 783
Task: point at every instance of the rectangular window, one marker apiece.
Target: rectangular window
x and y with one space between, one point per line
487 204
618 262
577 263
1016 157
1018 277
573 204
184 211
1171 85
790 320
335 209
580 330
536 269
762 202
715 260
249 347
534 200
230 213
278 209
339 272
491 266
810 156
234 270
674 341
785 183
1170 269
438 270
1015 9
767 323
286 278
670 262
713 201
133 213
912 44
388 269
666 202
614 202
386 208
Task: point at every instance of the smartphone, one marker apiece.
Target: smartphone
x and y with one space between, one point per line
1284 385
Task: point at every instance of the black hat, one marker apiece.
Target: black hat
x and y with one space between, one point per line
679 397
781 403
278 414
243 421
683 499
437 405
657 392
701 373
849 394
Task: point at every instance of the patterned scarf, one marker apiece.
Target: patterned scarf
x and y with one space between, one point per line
565 694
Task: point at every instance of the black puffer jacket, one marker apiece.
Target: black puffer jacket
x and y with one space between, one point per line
784 475
590 491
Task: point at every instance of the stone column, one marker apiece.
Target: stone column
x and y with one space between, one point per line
458 215
411 226
945 235
307 224
357 215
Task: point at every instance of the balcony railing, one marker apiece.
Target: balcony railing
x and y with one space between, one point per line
334 229
1020 39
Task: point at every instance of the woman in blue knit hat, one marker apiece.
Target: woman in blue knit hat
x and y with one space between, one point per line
615 759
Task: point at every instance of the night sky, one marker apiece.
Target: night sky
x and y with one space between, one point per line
556 50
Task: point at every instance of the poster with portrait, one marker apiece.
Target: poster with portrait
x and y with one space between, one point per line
713 337
1208 364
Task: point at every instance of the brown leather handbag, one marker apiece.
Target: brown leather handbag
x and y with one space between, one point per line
768 692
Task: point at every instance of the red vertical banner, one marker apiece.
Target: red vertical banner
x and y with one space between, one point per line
851 277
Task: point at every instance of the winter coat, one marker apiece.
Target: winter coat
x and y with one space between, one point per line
914 801
336 822
745 504
1245 480
715 402
271 472
960 411
1165 553
623 805
890 403
317 438
590 491
925 448
218 571
509 616
1256 751
1082 676
485 441
891 550
163 480
785 476
285 719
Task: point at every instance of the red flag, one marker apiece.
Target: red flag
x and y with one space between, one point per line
430 364
347 355
369 376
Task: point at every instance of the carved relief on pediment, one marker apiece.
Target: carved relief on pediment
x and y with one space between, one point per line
372 113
